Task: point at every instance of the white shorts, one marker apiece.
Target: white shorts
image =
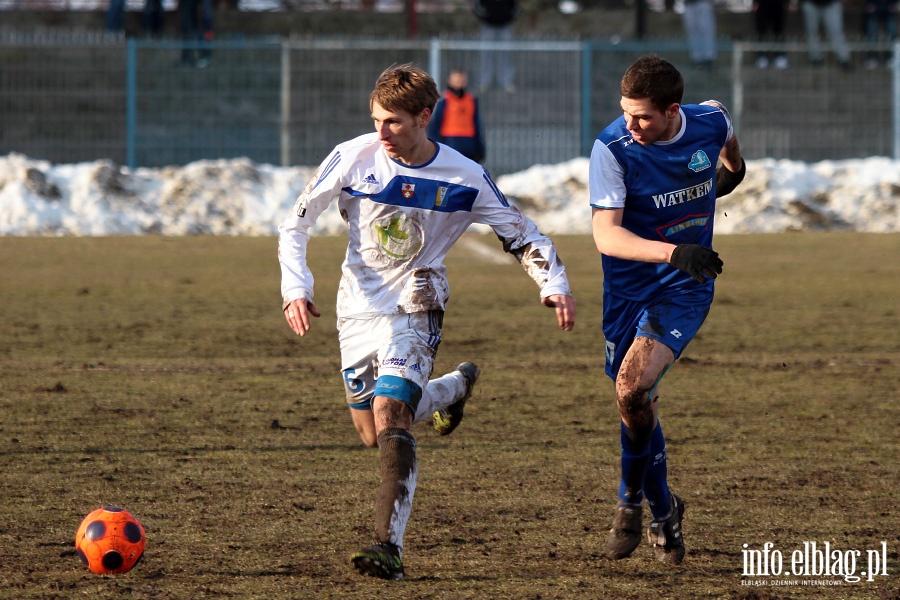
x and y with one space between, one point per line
388 355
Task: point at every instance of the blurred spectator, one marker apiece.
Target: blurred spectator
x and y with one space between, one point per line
699 19
153 17
770 17
196 30
879 15
115 16
829 13
496 18
456 121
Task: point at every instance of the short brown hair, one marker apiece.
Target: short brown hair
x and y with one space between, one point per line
654 79
405 87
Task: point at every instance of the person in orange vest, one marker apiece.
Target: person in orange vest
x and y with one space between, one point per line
455 121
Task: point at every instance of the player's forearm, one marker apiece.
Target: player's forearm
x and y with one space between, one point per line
556 281
540 261
296 278
619 242
296 282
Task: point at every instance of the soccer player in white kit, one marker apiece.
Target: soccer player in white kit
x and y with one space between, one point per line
406 200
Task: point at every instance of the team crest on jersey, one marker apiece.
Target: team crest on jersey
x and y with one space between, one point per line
398 236
699 161
407 190
441 194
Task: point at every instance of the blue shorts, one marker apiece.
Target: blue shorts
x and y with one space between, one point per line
672 319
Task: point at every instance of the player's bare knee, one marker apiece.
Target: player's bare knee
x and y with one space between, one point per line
369 439
390 412
632 399
365 426
367 434
635 408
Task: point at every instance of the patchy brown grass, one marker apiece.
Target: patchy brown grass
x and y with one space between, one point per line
158 374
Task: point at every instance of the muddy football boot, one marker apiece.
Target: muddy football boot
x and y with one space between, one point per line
665 536
449 417
380 560
626 531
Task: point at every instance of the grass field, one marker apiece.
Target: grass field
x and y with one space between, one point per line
158 374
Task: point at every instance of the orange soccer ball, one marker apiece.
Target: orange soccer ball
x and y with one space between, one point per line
110 540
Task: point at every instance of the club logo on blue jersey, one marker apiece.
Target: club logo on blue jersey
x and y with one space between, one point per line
407 190
699 161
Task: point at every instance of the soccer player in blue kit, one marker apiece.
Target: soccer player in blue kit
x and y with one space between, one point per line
653 187
406 200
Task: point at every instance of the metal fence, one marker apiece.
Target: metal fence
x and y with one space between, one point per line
76 97
247 5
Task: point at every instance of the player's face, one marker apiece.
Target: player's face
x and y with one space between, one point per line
646 123
403 136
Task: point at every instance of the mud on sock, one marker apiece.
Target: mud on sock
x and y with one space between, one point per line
394 497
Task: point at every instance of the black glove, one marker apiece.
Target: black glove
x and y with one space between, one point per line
698 262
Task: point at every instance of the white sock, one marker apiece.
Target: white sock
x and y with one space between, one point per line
439 393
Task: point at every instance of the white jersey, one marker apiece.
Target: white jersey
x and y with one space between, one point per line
402 220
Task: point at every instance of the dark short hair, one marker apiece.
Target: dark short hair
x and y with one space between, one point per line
655 79
405 87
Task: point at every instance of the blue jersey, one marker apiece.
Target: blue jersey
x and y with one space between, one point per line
668 193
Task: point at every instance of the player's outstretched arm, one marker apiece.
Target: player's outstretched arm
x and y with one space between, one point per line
565 309
297 313
612 239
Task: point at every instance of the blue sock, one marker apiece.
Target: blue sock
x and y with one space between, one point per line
655 484
635 461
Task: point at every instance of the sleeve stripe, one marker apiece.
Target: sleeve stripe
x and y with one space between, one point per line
496 190
335 161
